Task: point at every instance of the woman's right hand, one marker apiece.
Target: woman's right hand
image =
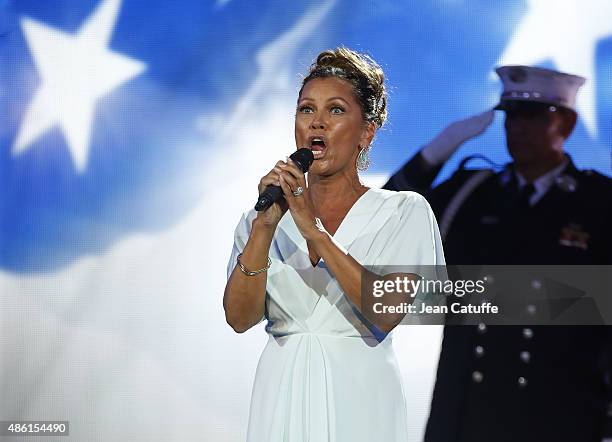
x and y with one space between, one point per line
272 215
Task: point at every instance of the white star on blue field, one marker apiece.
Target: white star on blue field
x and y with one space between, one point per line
104 134
76 70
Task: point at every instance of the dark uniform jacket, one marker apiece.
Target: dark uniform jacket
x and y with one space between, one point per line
513 383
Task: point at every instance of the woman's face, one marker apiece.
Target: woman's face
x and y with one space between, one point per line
329 121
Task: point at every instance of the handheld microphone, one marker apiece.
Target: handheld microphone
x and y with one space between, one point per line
303 158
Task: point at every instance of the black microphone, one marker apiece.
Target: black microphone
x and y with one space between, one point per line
303 158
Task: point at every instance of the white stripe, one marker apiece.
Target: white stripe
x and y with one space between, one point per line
462 194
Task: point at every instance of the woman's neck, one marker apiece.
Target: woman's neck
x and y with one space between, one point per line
333 193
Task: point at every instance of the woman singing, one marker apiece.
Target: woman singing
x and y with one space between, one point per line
328 372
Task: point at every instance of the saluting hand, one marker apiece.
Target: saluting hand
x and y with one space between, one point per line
438 150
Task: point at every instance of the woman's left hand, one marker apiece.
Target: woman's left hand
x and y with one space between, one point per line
291 179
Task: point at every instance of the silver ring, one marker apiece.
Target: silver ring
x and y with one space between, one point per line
298 191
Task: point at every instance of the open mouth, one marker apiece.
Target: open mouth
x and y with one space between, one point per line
318 147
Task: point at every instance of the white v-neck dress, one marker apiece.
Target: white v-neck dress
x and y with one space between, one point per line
324 376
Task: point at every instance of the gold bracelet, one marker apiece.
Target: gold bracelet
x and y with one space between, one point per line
256 272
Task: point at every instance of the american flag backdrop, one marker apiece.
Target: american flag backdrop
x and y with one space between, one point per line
133 134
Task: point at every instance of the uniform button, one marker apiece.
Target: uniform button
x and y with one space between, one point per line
525 356
522 382
477 377
531 309
527 333
482 328
479 351
536 284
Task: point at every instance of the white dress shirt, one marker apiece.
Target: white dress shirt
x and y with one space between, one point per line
543 183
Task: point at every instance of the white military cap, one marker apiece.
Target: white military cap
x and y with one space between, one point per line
528 83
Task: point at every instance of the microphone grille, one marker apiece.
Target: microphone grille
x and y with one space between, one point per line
303 158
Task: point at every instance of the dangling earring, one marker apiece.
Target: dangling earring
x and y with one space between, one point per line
363 159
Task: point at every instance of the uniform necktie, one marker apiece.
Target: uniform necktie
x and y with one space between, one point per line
525 193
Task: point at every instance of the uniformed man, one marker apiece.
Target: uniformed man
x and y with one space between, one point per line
512 383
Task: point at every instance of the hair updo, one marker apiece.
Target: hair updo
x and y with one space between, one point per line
362 72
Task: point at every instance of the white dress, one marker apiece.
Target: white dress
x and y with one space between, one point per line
323 375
